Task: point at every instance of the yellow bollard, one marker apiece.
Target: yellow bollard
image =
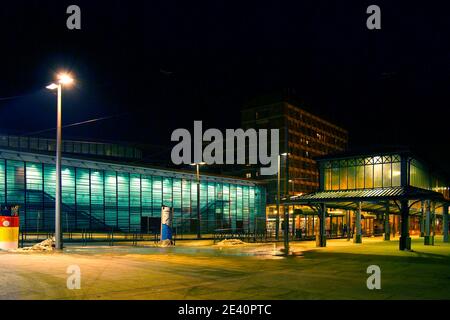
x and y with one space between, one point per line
9 232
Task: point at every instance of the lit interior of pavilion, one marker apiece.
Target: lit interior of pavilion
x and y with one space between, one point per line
389 194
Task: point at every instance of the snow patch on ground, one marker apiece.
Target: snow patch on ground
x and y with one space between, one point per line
46 245
230 242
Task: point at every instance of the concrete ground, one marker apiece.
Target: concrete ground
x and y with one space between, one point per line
200 270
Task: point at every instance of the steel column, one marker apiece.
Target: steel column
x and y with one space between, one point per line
321 238
422 218
387 228
428 239
286 230
405 240
445 221
349 225
358 232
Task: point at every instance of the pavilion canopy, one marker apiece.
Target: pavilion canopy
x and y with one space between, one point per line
373 200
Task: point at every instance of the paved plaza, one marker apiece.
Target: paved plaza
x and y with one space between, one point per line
201 270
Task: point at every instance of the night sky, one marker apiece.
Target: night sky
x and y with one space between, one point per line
153 67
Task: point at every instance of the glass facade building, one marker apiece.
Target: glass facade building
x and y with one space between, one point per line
104 196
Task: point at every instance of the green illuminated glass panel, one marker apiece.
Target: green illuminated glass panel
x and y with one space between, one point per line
335 178
226 206
186 198
146 196
387 174
419 177
252 210
83 208
327 179
186 205
204 205
167 192
233 205
212 221
260 205
219 205
176 191
67 185
49 180
34 176
68 198
111 214
378 175
34 197
48 213
368 176
123 204
194 201
360 177
351 182
343 183
97 204
396 174
135 202
157 196
15 181
2 182
239 212
245 207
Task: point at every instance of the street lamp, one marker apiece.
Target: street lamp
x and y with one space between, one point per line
293 186
198 164
292 180
63 79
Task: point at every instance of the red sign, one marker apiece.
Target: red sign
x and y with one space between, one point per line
12 222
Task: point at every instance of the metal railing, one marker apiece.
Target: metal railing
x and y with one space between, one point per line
182 229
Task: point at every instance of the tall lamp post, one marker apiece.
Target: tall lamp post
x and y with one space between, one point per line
63 79
277 224
199 235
